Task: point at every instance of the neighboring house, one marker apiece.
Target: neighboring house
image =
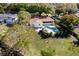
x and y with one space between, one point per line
41 20
8 18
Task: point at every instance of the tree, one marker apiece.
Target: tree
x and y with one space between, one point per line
24 17
69 21
17 6
71 8
67 24
4 7
33 7
62 8
58 11
1 9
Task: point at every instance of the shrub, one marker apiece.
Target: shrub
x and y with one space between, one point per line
3 30
24 17
47 52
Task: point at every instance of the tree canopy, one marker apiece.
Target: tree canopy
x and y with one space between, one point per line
67 23
32 8
24 17
62 8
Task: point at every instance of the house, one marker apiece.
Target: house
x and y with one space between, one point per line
39 21
8 18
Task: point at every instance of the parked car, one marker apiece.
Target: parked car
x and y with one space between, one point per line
38 29
9 21
52 30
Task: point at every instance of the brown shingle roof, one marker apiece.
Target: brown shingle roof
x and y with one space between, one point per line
41 20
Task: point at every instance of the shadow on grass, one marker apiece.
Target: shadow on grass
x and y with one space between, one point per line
44 35
7 51
62 35
57 35
9 25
